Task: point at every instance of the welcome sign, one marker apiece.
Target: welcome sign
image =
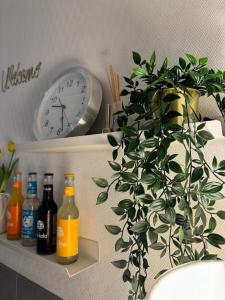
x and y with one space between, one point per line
15 75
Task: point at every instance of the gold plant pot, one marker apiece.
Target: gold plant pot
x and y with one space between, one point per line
191 102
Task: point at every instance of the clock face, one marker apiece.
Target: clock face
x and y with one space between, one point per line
65 105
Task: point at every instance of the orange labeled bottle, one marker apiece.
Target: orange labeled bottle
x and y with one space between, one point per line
14 209
67 225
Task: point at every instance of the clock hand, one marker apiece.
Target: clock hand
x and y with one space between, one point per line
64 107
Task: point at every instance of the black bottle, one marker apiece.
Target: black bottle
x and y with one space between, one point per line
47 219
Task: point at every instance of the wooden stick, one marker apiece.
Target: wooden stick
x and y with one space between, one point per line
112 82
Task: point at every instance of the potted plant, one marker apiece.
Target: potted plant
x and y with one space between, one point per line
168 206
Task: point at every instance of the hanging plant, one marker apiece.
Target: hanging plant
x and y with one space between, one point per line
168 206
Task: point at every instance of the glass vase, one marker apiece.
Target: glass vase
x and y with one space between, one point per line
4 197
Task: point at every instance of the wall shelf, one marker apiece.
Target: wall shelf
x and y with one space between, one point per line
94 142
88 256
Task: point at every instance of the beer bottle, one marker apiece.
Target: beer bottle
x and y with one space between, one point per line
47 218
14 209
67 225
30 212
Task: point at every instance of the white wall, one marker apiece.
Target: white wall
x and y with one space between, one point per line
94 33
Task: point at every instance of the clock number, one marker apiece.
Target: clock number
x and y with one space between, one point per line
61 88
59 131
78 82
83 89
69 83
46 123
53 99
51 129
47 112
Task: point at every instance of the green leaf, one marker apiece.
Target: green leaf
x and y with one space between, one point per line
102 197
120 264
136 58
157 246
134 155
123 187
127 277
114 165
160 273
212 223
139 72
192 59
182 63
175 167
212 187
221 165
203 60
170 215
216 239
125 204
149 143
124 93
115 154
214 162
221 214
162 228
171 97
153 236
144 198
118 211
158 205
152 59
181 235
100 182
148 179
205 135
112 141
129 177
209 257
121 244
196 174
141 226
129 164
113 229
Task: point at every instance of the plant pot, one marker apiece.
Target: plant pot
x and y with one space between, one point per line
177 105
3 208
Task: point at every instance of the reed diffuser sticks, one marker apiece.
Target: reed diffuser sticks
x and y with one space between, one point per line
114 84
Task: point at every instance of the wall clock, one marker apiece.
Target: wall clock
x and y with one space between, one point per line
69 107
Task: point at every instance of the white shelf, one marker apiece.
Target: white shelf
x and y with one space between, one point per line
94 142
88 256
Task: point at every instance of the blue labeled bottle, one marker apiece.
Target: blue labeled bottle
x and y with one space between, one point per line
30 212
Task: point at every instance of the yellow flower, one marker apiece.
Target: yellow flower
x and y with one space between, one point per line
11 146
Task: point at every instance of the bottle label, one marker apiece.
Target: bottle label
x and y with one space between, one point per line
13 219
32 188
29 225
69 191
67 237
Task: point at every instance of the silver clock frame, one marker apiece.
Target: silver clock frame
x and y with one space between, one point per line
88 118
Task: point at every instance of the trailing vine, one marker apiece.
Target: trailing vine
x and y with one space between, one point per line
169 206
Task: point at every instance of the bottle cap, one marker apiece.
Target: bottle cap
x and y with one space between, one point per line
17 178
48 178
69 175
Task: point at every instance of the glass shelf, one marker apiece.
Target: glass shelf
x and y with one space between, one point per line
88 256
